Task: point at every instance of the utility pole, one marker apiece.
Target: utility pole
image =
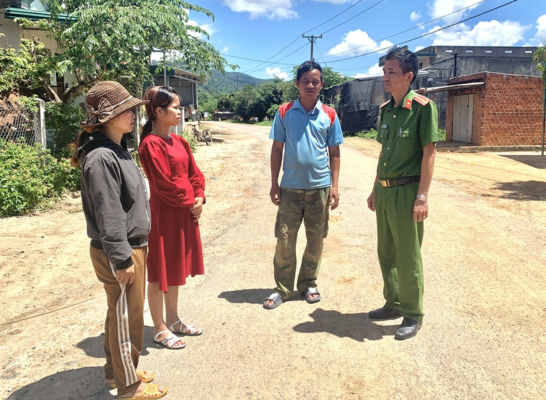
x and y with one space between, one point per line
312 40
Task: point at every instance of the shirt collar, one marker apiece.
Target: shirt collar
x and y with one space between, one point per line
317 107
408 95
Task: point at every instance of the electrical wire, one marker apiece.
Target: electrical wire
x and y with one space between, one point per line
335 16
278 61
407 30
426 34
249 59
320 52
353 17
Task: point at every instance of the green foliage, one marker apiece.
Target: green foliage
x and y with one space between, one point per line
540 58
64 120
272 111
372 134
30 176
113 39
226 102
191 141
29 68
441 135
265 123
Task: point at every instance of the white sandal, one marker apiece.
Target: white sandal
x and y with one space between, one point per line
169 341
189 330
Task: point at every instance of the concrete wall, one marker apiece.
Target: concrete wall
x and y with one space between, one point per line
11 31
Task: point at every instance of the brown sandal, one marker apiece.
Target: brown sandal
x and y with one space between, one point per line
150 393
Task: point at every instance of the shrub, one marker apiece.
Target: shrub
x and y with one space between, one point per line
64 120
372 134
30 176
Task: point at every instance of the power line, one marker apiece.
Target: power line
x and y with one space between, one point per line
277 62
409 29
362 12
335 16
291 43
426 34
250 59
321 56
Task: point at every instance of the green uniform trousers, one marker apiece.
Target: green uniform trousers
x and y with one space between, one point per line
312 207
399 240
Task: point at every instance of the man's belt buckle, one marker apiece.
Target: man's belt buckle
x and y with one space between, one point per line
384 183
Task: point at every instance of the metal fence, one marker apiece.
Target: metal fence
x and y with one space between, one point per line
20 123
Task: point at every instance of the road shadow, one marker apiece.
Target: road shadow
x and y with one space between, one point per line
94 346
533 160
357 326
76 384
522 190
251 296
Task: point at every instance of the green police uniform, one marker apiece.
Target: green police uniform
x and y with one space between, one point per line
403 133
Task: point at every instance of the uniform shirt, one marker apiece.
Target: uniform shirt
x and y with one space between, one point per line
403 133
306 136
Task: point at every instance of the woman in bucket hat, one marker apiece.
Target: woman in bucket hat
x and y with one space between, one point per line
117 213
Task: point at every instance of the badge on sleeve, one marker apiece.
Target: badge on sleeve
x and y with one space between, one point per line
407 104
384 126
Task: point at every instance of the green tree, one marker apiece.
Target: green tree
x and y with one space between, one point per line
244 101
226 102
113 39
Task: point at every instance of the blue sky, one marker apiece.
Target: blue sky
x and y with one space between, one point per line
258 29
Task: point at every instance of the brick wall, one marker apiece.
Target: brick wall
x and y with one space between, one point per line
511 110
507 110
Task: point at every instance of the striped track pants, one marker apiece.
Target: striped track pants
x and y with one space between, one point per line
124 326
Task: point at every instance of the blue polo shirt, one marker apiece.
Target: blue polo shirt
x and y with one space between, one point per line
306 137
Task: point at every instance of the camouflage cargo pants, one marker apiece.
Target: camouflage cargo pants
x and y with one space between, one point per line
311 207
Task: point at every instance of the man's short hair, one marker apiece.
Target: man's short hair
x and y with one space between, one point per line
308 66
406 59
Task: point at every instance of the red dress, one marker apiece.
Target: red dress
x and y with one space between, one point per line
174 242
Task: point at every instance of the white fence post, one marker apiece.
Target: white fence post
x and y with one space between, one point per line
41 123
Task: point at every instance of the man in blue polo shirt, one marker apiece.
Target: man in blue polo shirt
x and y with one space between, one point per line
309 134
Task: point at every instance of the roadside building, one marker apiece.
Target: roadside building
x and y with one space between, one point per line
492 109
357 101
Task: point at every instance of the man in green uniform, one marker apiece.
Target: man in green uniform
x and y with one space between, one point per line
408 131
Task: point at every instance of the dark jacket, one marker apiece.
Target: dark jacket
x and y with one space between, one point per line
114 199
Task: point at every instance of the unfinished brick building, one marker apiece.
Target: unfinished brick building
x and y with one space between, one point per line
497 110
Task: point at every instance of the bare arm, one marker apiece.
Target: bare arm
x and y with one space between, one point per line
371 198
335 163
420 208
276 161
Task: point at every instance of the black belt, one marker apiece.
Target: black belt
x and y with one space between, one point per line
400 182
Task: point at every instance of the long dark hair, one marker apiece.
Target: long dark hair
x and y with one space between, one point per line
80 140
160 97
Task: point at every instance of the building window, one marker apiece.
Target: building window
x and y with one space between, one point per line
420 65
508 51
449 51
470 51
528 51
489 51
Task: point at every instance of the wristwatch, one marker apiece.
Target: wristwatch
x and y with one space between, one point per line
422 197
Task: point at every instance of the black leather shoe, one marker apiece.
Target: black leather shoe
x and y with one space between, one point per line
408 329
384 313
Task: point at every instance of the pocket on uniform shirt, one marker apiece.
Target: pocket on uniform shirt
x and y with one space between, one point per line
407 137
384 132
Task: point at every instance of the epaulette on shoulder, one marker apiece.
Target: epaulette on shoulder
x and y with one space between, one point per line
384 104
421 99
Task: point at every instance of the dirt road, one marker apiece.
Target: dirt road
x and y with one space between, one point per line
485 298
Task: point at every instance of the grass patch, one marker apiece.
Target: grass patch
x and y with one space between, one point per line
372 134
264 123
441 135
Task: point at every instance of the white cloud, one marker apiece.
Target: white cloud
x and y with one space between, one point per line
438 8
418 48
414 16
541 30
484 33
374 70
276 73
358 42
271 9
225 50
209 28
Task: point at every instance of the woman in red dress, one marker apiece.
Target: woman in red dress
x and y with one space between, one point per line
177 195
